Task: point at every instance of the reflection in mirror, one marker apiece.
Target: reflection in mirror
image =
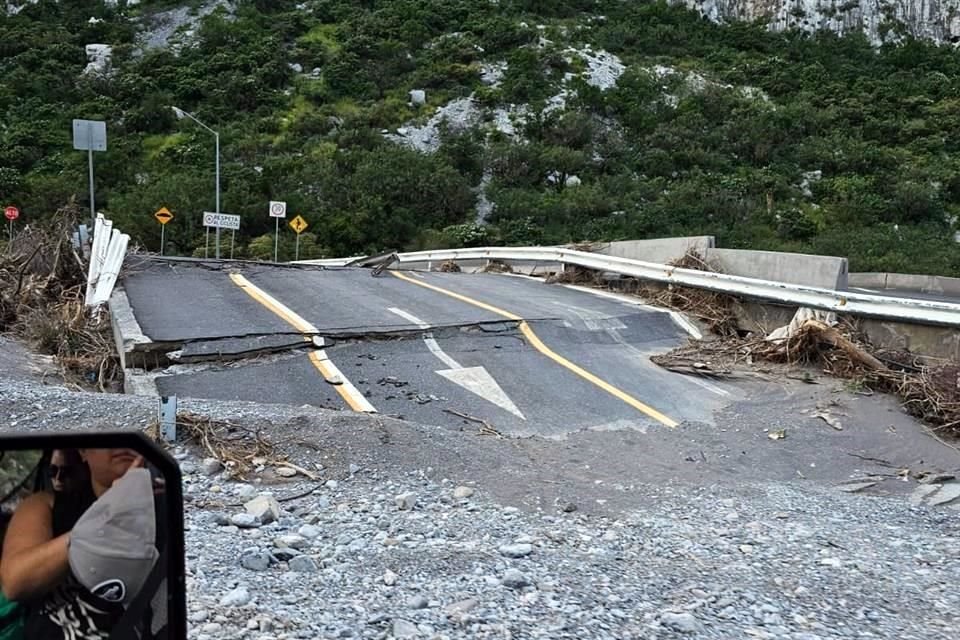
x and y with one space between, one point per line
83 535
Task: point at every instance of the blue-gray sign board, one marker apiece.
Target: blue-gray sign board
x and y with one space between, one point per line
89 135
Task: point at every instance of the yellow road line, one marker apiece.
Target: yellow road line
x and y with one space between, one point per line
350 394
538 344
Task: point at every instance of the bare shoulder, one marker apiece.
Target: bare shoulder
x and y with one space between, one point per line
36 503
30 524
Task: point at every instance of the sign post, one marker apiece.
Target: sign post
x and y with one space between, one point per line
163 216
11 213
277 210
221 221
299 225
90 136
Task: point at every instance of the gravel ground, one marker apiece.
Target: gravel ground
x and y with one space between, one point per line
415 531
376 556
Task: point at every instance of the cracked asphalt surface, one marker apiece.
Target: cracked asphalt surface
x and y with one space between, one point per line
375 328
724 427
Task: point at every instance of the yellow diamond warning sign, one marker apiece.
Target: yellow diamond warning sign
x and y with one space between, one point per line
298 224
163 216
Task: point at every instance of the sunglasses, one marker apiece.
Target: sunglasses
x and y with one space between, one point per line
55 470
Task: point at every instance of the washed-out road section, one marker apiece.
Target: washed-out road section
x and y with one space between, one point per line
493 353
521 356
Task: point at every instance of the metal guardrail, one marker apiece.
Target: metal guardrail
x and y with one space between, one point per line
330 262
106 260
876 306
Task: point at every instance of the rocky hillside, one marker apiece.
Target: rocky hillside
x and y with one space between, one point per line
882 21
406 124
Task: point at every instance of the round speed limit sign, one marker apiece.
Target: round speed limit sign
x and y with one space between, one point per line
278 209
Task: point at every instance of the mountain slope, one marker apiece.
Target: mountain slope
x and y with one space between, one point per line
545 121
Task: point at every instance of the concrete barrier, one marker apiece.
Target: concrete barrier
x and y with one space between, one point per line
657 250
826 272
934 342
933 285
127 334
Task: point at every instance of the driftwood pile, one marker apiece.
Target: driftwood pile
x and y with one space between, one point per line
573 274
928 390
712 308
42 289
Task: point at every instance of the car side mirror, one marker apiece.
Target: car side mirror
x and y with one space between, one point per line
116 500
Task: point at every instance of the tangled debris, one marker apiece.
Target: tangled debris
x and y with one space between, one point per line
573 274
38 267
450 266
714 309
928 391
42 289
497 266
240 450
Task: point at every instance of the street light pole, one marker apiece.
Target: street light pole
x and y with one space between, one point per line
216 136
217 139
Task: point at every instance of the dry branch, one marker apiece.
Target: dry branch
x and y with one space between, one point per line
450 266
239 449
42 288
928 392
497 266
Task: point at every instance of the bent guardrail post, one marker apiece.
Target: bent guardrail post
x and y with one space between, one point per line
106 260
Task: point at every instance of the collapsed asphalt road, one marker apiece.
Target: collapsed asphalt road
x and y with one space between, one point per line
437 348
500 354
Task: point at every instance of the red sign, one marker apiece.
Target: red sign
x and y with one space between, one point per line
12 213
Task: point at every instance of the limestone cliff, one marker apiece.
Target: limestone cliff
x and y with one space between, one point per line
881 20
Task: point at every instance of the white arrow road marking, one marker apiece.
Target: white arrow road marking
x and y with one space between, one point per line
476 380
432 343
479 381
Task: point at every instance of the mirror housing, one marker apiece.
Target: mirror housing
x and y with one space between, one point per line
161 466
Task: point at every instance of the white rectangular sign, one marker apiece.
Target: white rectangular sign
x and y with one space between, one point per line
278 209
221 220
90 134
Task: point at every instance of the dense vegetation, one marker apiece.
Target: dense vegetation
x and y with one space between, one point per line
655 156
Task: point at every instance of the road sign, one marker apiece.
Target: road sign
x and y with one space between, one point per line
89 135
11 213
298 224
278 209
221 220
163 216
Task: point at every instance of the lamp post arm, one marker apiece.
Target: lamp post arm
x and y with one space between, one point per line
195 119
